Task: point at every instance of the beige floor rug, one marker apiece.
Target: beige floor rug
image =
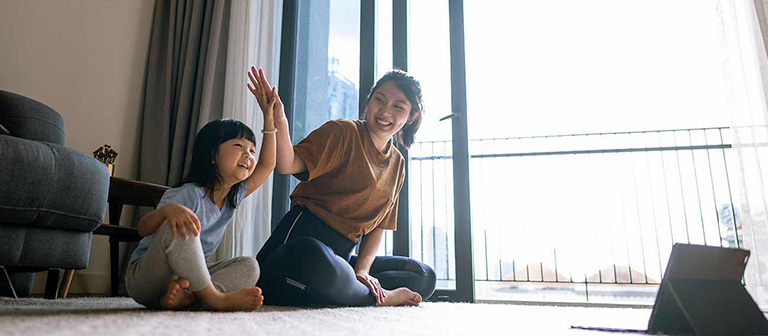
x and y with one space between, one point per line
122 316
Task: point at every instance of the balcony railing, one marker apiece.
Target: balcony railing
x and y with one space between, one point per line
600 208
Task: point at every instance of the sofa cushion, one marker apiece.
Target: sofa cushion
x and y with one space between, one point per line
44 247
30 119
47 185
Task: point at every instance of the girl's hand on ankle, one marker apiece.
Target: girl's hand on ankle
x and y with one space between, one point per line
180 218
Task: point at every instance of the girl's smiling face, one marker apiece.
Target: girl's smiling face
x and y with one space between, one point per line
235 161
386 113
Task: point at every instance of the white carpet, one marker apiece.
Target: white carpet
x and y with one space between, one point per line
122 316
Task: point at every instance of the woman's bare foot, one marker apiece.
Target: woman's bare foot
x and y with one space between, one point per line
177 297
401 297
247 299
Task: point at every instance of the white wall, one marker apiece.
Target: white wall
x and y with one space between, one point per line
86 59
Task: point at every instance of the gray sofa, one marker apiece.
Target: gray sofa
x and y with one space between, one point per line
51 197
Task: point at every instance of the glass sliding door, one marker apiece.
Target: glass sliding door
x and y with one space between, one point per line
597 143
431 161
332 53
319 72
383 63
437 171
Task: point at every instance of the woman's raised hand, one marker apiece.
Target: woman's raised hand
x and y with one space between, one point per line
180 218
266 95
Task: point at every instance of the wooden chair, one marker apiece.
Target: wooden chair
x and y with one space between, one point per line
121 192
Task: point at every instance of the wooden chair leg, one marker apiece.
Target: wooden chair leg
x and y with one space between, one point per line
52 283
66 282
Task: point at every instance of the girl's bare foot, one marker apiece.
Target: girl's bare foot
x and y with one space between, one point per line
401 297
247 299
177 297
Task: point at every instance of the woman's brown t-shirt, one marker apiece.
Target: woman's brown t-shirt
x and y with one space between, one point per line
349 183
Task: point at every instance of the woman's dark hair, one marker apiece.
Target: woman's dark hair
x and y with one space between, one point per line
202 169
411 88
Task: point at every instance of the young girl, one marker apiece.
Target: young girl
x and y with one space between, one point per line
351 175
168 269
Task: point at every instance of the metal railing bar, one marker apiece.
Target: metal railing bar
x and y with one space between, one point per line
730 197
557 277
445 193
653 212
639 224
613 255
498 246
569 283
714 194
421 210
698 191
682 193
626 238
501 271
666 198
590 134
588 151
525 236
586 288
434 220
610 234
514 272
487 266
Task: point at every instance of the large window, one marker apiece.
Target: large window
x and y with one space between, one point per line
319 72
327 64
595 142
592 133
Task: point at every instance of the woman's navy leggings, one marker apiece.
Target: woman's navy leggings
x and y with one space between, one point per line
307 263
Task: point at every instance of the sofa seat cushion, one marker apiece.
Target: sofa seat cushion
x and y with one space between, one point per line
36 247
50 186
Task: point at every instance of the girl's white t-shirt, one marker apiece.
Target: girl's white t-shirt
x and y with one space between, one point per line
212 220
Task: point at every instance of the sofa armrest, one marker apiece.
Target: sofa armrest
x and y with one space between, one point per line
51 186
30 119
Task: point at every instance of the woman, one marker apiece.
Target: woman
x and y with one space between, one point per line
351 175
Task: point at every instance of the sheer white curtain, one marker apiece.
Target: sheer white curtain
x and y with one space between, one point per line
746 69
254 39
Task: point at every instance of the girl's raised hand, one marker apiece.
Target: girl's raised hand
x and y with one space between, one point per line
180 218
264 94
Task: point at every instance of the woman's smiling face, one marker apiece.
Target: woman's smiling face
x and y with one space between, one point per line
386 113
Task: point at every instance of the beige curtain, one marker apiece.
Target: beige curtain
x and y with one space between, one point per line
254 39
184 86
746 66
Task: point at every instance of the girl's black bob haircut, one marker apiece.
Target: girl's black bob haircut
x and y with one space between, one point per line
411 88
202 169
